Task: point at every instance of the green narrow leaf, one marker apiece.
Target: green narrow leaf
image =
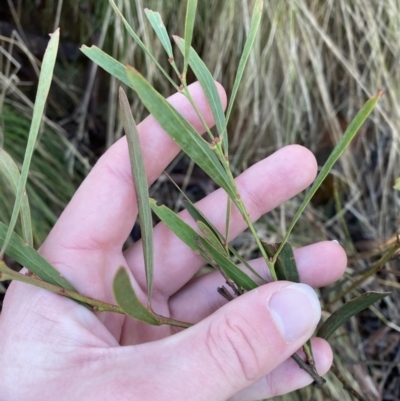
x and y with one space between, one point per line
343 143
397 184
180 130
32 260
210 237
159 28
141 189
189 25
140 43
189 237
208 84
347 311
126 298
285 266
254 25
11 172
106 62
45 78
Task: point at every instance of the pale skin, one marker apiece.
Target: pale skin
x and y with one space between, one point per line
51 348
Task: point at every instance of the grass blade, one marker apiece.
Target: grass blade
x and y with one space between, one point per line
208 84
285 266
11 172
32 260
343 143
347 311
126 298
140 43
191 237
254 25
159 28
180 130
189 24
141 188
45 78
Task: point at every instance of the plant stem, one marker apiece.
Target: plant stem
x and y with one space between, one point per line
186 92
98 306
173 322
242 209
318 380
95 305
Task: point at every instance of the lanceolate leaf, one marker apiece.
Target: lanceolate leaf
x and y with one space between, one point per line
109 64
180 130
189 24
126 298
342 145
254 25
285 266
11 172
347 311
207 83
141 189
159 28
191 238
45 78
32 260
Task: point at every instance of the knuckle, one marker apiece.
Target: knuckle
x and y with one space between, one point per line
233 345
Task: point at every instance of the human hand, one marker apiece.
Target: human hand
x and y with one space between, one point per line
54 349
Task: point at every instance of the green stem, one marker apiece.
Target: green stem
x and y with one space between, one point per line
242 209
186 92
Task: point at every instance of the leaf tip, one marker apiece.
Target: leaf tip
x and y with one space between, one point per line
176 38
56 32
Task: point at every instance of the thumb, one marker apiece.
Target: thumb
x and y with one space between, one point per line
243 341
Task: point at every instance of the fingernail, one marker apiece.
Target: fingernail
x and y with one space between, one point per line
296 311
335 240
